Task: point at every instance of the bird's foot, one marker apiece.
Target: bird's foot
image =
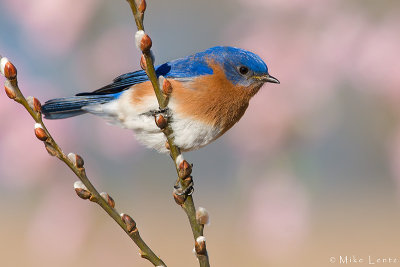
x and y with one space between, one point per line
180 191
166 112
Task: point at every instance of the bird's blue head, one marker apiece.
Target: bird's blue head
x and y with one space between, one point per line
241 67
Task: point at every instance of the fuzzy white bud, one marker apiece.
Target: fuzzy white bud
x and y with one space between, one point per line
202 216
76 160
3 62
30 100
138 38
80 185
38 125
179 159
201 239
9 88
72 158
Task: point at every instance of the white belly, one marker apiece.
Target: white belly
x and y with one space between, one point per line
188 134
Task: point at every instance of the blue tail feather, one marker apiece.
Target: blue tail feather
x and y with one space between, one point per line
61 108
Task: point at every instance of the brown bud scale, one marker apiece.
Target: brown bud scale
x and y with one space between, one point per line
10 92
79 161
145 43
187 181
185 169
200 248
179 199
161 121
82 193
51 150
10 72
142 7
37 106
167 87
109 199
129 222
40 134
184 165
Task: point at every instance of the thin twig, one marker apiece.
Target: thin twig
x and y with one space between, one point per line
74 162
185 180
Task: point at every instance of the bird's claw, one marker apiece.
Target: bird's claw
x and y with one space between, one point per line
179 191
166 112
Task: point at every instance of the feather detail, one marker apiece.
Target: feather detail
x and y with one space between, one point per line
61 108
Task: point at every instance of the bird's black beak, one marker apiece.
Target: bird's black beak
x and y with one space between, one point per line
270 79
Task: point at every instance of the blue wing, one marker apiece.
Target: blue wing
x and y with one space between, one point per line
120 83
185 68
181 68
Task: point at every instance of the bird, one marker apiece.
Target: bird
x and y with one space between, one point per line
211 91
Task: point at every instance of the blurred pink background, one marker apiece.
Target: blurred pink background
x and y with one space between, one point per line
311 172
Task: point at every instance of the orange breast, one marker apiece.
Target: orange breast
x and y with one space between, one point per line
212 99
141 91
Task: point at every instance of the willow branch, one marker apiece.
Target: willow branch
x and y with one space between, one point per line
183 197
84 188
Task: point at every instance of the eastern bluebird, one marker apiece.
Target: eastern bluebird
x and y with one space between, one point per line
211 92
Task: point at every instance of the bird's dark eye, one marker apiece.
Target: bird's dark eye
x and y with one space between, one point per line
243 70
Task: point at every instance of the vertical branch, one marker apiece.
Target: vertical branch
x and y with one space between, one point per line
184 186
84 188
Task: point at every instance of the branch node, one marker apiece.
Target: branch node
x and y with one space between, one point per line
93 198
143 255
